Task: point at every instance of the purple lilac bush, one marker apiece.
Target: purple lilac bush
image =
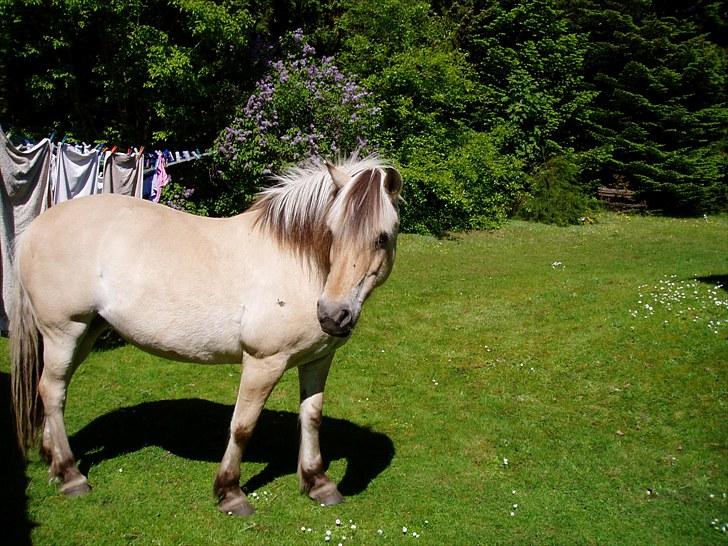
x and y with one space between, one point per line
304 106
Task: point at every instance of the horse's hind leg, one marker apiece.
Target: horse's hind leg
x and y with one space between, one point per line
312 478
63 351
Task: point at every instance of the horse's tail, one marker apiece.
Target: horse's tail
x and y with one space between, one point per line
26 368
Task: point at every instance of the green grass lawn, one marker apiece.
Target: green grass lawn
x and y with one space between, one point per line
532 385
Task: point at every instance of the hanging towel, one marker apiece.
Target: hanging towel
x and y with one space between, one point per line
24 194
124 174
161 178
75 173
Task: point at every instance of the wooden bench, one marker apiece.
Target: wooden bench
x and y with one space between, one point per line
620 199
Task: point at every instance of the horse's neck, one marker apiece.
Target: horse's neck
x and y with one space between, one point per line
248 226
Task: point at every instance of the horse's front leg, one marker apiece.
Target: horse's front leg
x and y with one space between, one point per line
313 479
258 379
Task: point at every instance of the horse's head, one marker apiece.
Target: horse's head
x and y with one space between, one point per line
363 222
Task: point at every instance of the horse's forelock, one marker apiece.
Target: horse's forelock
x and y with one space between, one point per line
363 210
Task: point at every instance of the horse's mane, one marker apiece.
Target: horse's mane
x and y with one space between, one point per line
295 209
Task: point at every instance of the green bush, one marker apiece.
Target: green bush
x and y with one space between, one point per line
555 196
458 185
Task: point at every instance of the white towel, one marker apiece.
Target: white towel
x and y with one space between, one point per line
74 173
24 194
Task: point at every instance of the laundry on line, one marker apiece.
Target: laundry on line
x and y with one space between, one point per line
37 175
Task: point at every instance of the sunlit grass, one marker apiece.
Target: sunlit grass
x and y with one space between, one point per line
504 387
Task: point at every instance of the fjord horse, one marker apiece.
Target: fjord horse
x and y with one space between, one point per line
280 286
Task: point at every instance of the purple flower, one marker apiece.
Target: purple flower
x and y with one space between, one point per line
306 92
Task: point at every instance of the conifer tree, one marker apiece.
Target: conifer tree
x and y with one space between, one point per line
530 64
661 111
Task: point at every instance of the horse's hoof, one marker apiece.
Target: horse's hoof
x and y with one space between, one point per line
332 499
76 489
236 507
327 495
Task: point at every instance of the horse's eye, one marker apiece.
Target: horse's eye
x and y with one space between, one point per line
382 240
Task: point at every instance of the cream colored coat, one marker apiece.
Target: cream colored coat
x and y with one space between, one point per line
277 287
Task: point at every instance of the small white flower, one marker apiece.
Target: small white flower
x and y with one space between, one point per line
505 461
303 529
513 514
380 532
328 533
404 530
338 521
327 538
353 526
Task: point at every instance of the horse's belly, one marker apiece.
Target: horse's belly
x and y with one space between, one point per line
183 341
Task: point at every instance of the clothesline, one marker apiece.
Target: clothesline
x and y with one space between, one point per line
173 157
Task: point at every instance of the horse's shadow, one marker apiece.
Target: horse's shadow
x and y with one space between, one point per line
198 430
715 280
15 524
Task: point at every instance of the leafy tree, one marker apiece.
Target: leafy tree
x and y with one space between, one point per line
404 54
136 71
555 196
461 184
431 102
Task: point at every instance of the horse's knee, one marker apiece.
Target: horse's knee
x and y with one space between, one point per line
241 433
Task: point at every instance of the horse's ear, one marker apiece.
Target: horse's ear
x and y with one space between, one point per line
392 181
339 177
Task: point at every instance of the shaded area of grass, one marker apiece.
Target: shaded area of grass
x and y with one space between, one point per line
502 387
14 521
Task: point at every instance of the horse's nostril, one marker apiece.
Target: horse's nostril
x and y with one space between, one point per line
344 318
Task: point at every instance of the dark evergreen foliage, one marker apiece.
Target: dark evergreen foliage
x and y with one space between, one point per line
661 108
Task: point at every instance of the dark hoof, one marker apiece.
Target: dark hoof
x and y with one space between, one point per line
331 499
78 489
237 506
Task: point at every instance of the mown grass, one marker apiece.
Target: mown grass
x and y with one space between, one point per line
502 388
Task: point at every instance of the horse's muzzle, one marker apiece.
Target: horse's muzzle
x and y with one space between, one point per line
335 319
